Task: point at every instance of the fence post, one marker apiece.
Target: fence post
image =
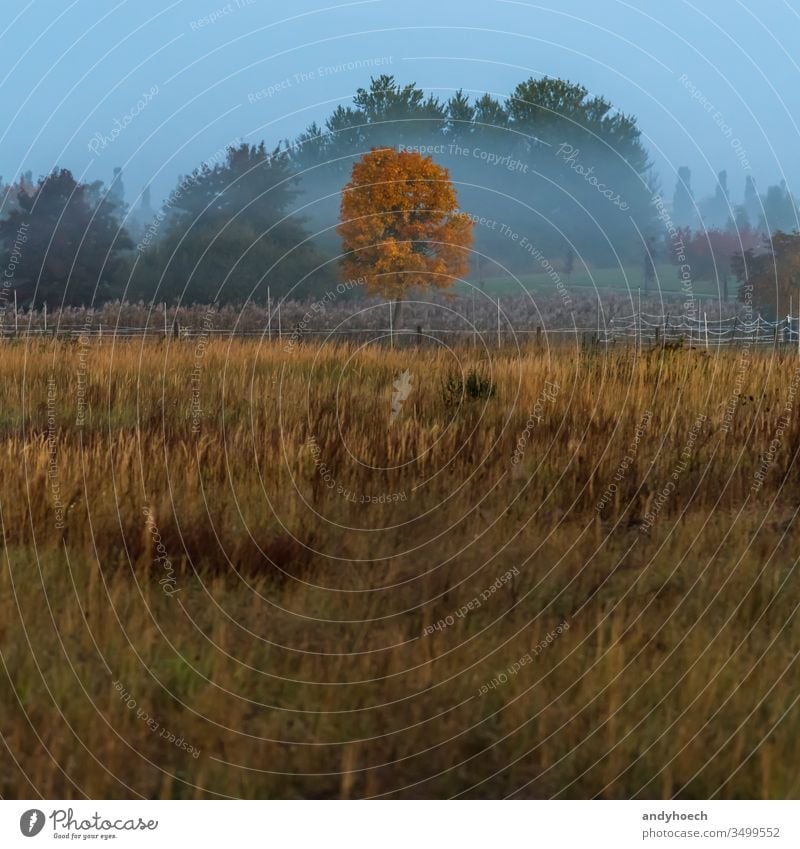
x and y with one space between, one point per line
498 322
639 332
474 329
598 317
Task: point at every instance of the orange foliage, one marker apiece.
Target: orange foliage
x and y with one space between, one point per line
400 224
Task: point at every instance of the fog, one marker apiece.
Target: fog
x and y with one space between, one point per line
709 88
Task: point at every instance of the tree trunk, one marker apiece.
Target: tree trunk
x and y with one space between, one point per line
397 314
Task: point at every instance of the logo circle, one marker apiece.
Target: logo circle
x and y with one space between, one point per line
31 822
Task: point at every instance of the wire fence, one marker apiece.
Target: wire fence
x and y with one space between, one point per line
495 322
698 331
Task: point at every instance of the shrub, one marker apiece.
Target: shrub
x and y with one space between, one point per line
475 388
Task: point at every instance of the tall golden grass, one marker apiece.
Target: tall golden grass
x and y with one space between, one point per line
226 573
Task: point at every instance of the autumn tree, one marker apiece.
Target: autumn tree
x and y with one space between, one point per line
400 225
710 253
770 275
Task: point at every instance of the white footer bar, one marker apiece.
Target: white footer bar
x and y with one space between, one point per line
401 824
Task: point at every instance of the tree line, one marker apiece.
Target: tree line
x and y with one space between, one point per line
550 163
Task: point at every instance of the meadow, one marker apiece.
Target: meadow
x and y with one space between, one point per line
268 569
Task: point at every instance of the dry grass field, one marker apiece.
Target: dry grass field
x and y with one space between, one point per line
243 569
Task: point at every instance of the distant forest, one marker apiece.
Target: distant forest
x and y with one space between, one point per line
549 166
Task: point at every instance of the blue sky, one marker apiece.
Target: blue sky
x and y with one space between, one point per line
713 83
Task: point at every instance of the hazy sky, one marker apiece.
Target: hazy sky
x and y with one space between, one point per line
715 84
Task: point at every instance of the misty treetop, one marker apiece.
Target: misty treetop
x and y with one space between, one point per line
776 211
505 157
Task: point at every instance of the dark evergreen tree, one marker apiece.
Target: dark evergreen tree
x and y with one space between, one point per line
229 235
489 112
460 115
72 243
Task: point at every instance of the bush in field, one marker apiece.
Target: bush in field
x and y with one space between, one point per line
476 387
